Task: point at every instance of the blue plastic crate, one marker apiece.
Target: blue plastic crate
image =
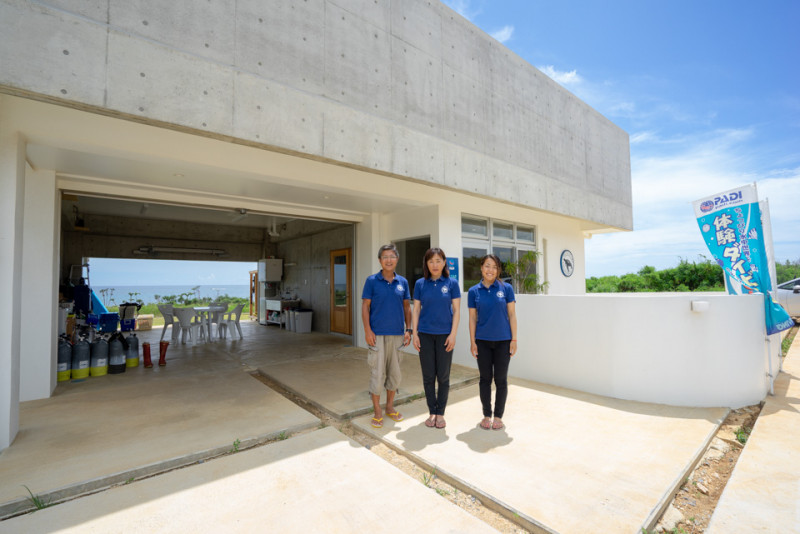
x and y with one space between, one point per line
128 325
108 322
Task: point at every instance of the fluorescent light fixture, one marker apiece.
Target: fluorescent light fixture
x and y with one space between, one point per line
180 250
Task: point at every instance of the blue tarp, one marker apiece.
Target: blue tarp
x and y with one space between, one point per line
97 306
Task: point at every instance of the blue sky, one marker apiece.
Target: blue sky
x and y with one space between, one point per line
708 91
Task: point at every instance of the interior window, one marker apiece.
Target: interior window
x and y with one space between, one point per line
525 233
503 230
472 264
474 226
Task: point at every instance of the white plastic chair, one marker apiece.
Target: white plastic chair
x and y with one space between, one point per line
169 320
190 324
232 319
219 318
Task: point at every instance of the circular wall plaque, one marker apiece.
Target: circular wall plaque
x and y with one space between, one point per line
567 263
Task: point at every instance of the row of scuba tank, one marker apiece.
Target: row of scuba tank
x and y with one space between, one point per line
100 357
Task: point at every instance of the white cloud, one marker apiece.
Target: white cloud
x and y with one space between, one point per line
642 137
562 77
689 168
463 8
503 34
667 174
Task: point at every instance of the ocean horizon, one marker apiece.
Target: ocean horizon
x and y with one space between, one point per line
119 294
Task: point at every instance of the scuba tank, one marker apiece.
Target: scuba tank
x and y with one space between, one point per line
99 365
80 359
132 358
64 359
116 355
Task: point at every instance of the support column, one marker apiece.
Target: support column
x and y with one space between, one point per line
365 261
38 349
12 188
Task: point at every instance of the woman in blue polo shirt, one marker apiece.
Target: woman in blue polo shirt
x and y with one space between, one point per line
437 300
493 337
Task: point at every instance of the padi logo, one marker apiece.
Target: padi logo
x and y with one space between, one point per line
707 206
500 294
399 288
720 201
445 290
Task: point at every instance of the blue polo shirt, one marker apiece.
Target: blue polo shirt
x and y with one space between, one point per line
386 315
436 298
492 306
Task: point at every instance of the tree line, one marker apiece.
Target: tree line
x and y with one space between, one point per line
704 275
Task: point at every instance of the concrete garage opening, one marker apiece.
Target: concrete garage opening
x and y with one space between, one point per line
130 228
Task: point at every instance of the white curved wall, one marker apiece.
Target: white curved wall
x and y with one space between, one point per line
643 347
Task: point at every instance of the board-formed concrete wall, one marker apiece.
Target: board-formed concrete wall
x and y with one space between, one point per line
403 87
306 271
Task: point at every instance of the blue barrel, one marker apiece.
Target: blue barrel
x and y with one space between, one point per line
99 365
116 357
132 358
64 359
80 359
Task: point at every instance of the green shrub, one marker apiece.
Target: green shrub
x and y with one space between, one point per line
787 271
686 276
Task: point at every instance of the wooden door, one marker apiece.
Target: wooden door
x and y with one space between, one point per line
340 282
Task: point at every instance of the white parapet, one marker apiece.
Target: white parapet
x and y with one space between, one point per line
680 349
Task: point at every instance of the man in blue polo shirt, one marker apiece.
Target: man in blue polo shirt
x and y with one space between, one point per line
386 314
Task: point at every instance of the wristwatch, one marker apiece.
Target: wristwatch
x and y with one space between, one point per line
410 330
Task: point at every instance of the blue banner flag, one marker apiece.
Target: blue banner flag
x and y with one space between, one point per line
731 226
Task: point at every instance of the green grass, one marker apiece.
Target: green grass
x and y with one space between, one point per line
37 501
742 433
428 478
236 444
787 341
158 319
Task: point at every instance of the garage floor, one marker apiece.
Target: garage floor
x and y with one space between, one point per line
567 461
107 430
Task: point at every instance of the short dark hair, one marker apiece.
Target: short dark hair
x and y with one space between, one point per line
495 259
389 247
428 255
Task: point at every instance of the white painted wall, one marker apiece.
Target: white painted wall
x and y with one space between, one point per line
411 223
559 232
38 350
644 347
12 187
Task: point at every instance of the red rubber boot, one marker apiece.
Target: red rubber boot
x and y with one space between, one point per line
146 355
162 350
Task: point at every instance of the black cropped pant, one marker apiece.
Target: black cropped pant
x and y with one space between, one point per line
493 360
435 363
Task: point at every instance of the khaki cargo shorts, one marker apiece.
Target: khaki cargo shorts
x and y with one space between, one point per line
384 364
